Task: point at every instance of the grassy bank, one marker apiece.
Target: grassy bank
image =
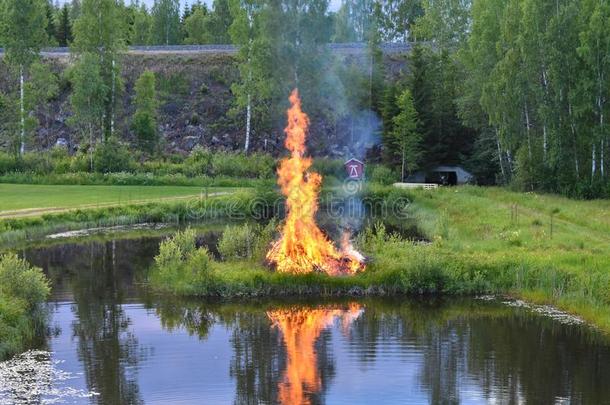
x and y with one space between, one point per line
23 289
544 248
236 205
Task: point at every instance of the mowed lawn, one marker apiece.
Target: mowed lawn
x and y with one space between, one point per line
15 197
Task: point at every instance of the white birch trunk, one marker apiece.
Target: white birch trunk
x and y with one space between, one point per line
22 112
404 158
593 161
248 121
112 99
527 126
500 155
573 128
601 158
545 143
91 146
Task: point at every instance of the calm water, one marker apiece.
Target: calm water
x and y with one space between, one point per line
112 343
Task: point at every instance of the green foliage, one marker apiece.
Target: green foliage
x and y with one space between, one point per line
22 291
145 118
166 22
21 281
112 156
64 34
88 97
180 264
405 139
22 30
383 175
197 27
533 82
237 242
141 30
205 162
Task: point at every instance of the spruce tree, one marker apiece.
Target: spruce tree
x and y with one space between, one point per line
64 28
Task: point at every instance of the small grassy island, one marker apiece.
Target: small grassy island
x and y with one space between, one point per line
478 241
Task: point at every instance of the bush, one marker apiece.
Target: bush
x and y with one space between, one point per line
112 156
21 281
383 175
22 289
180 264
237 242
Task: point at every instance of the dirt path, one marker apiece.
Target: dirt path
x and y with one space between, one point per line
34 212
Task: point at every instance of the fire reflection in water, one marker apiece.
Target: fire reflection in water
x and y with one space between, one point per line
301 327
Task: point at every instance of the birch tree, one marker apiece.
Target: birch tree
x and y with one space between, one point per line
23 33
100 31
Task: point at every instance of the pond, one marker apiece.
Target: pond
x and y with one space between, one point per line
112 342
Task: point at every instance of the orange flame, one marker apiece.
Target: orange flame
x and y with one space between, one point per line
303 247
300 329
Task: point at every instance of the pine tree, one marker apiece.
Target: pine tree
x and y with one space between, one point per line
22 26
51 25
64 28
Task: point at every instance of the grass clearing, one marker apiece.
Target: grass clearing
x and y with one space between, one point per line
21 197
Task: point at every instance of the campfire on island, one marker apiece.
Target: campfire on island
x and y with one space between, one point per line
303 247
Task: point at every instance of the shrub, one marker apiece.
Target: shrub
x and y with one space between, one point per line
199 162
21 281
237 242
22 289
112 156
383 175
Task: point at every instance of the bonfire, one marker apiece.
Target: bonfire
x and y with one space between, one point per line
303 247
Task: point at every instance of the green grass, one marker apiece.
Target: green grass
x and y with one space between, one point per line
27 196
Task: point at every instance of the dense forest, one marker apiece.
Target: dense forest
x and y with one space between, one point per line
517 91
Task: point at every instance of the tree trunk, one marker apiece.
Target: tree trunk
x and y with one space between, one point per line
573 128
248 123
91 146
112 99
404 158
601 158
527 127
22 112
593 161
500 156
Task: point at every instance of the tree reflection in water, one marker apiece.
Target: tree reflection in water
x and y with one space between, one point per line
100 277
283 353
